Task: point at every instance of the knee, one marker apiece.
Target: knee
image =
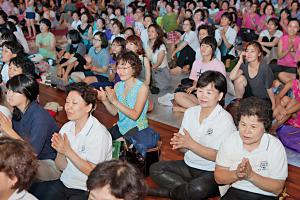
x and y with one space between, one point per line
241 81
178 96
156 169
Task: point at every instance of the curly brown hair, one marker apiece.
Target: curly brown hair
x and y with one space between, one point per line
17 159
87 92
254 106
133 60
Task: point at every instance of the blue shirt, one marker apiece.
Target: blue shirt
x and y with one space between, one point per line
99 59
37 127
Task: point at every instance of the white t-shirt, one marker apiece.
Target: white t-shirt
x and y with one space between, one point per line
199 67
266 33
217 54
144 37
75 24
23 195
210 133
20 37
230 35
4 73
93 144
268 160
192 40
114 36
153 56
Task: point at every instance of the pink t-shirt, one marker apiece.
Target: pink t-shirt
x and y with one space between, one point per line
264 20
254 18
289 60
199 67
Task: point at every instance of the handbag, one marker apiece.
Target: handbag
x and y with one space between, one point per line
141 149
289 136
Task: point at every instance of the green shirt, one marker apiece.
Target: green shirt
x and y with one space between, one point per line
46 41
169 22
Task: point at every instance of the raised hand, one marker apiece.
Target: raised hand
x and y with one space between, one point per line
179 141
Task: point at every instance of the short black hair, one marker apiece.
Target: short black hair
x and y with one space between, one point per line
74 36
87 92
255 106
103 38
8 36
14 18
124 180
15 47
192 23
25 85
132 59
228 16
46 22
3 15
27 66
200 11
210 29
268 4
217 79
211 41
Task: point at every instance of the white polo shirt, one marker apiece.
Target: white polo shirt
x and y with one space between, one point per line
192 40
210 133
23 195
93 144
230 35
268 160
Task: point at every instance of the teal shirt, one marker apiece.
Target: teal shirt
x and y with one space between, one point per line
125 123
46 41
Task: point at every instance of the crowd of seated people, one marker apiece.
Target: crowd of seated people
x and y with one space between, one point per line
118 53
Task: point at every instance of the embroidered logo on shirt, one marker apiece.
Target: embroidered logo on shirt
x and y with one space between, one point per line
263 166
82 149
209 131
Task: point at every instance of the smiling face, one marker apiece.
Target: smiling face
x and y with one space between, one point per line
252 53
124 70
75 106
269 10
208 96
7 55
152 34
251 131
293 28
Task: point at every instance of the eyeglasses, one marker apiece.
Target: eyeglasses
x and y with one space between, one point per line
115 45
123 68
97 40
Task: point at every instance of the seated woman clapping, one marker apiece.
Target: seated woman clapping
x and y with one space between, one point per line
128 99
203 129
251 161
82 143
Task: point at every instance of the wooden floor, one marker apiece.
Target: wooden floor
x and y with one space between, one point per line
48 94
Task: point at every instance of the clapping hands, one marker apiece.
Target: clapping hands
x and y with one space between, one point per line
244 170
179 141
